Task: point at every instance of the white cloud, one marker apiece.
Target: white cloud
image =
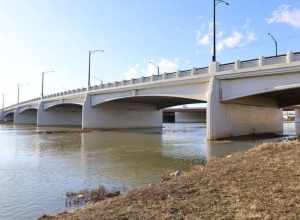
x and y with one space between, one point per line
165 66
237 38
133 72
287 15
206 38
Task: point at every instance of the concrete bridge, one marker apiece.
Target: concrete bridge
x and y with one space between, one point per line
243 97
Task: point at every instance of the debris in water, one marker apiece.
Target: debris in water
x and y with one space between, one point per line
86 196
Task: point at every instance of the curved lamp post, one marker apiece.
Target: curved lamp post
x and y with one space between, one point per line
275 42
43 76
91 52
216 2
3 98
19 85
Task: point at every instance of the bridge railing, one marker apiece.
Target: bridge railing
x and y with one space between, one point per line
226 67
249 63
296 56
202 70
8 108
262 61
274 60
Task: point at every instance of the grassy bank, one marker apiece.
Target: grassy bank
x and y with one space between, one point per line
262 183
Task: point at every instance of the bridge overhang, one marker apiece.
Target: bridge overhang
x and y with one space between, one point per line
160 102
277 89
5 114
61 104
24 109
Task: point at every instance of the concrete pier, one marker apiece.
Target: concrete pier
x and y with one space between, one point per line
60 115
241 117
297 121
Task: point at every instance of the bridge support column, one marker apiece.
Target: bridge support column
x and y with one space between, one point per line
61 115
226 120
120 115
1 117
297 121
26 117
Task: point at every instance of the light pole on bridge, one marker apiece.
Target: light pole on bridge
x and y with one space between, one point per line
43 77
18 99
2 113
275 42
216 2
91 52
19 85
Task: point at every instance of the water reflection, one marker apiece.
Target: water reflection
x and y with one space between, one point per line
133 157
37 166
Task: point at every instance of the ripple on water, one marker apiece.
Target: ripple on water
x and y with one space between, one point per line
37 168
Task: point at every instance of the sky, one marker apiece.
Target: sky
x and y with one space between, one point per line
43 35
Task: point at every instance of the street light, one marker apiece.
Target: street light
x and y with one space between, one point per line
43 76
19 85
157 66
275 42
18 99
216 2
89 73
3 97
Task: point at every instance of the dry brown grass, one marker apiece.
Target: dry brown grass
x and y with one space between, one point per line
262 183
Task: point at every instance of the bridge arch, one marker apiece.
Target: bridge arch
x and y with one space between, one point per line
8 116
140 111
268 89
279 97
159 101
27 109
56 105
60 114
26 115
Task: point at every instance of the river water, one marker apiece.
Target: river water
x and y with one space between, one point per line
37 167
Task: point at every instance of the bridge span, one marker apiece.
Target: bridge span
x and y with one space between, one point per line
243 97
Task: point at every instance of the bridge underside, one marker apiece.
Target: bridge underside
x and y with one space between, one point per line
9 117
60 115
285 98
28 116
130 112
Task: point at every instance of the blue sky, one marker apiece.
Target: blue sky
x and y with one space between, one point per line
39 35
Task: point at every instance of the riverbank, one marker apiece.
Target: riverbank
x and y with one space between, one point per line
262 183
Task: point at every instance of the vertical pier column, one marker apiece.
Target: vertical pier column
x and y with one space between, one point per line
225 120
297 121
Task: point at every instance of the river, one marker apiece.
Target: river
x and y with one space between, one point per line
37 166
